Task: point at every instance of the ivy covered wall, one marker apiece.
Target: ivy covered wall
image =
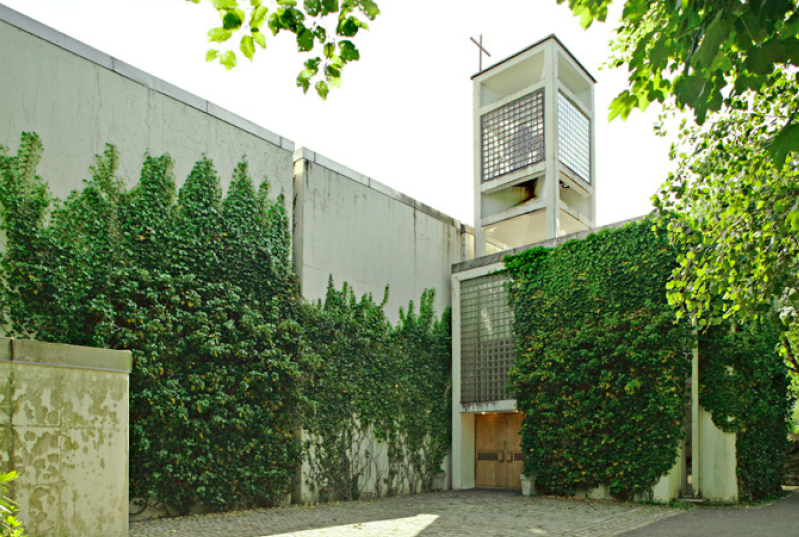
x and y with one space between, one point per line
227 362
603 362
601 367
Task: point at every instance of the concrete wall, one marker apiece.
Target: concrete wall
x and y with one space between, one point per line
718 479
77 99
369 236
371 464
64 429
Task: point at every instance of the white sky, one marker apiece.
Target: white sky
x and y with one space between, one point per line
403 113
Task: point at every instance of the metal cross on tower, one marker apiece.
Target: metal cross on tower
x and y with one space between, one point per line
482 50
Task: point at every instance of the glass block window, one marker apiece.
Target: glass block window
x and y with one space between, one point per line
513 136
487 345
574 138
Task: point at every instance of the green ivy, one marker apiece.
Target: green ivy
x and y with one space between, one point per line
601 367
377 387
200 288
227 363
744 384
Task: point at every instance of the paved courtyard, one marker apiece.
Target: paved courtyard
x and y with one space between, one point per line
459 514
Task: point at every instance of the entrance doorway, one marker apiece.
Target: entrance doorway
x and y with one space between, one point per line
500 460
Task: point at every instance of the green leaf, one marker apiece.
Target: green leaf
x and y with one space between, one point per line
225 4
785 142
348 51
622 105
762 59
322 89
257 17
793 220
211 55
231 21
247 46
717 33
690 89
219 35
259 38
370 8
228 59
305 40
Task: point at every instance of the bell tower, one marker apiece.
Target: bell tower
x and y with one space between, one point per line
533 148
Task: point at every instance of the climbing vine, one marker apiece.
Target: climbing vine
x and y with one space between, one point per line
744 384
379 413
200 288
601 370
227 362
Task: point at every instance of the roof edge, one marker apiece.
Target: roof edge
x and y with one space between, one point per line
526 49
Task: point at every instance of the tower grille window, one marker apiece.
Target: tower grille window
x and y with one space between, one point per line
487 345
574 139
513 136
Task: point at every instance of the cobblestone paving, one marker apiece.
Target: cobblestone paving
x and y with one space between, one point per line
457 514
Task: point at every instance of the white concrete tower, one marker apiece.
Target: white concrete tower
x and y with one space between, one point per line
533 148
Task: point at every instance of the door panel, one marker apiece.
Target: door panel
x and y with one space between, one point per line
515 456
499 457
490 447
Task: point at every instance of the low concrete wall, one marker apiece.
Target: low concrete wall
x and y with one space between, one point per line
668 488
64 429
718 480
370 457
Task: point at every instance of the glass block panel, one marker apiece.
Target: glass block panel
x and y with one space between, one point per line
513 136
487 346
574 138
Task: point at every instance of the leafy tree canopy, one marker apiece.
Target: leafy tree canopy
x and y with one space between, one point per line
321 27
735 214
732 205
704 53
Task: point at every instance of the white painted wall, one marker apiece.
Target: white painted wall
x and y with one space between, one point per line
77 99
369 236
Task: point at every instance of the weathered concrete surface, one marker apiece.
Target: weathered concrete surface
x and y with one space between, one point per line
369 236
718 461
446 514
77 99
64 429
780 519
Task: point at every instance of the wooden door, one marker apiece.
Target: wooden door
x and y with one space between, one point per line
515 456
498 453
